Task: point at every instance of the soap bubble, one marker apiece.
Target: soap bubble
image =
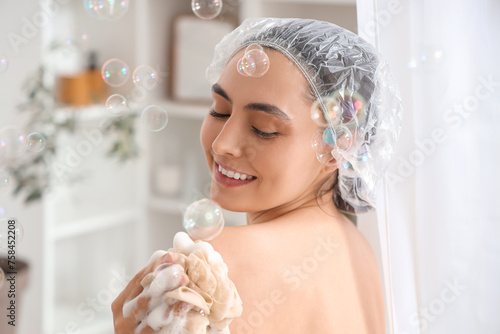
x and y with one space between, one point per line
5 182
155 118
203 220
110 10
12 142
254 63
206 9
117 105
254 46
343 138
167 276
115 72
4 63
319 117
342 108
324 142
35 142
146 77
162 266
11 233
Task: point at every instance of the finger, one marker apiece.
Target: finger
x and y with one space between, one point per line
131 291
147 330
136 308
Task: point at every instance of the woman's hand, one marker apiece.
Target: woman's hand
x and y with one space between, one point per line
126 324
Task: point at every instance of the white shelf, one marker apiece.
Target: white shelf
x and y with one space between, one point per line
93 224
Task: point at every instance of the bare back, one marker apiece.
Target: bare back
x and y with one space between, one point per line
303 274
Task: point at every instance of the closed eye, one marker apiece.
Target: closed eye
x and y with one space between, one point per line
217 115
265 135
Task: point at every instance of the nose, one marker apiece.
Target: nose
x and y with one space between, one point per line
230 139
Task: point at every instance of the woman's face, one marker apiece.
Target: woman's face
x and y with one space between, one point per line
262 128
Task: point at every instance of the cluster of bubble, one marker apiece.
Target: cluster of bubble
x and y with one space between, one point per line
343 114
11 233
4 63
115 72
14 142
206 9
110 10
203 220
255 61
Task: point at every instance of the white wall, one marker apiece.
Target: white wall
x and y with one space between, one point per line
22 62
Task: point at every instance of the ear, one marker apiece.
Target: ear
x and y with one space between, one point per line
329 167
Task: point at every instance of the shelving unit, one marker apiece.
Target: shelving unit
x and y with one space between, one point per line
116 218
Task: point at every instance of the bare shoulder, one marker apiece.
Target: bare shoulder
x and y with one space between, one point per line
287 273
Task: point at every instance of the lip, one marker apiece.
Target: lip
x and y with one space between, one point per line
227 181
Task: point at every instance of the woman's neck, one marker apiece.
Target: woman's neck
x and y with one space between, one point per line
323 203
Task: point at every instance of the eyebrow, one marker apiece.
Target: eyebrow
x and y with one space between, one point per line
265 107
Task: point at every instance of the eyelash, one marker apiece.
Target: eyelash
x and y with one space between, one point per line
265 135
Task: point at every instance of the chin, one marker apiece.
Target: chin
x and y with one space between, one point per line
226 201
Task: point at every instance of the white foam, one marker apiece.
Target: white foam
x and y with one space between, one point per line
169 279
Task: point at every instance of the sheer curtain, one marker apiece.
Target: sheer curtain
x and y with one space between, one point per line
441 206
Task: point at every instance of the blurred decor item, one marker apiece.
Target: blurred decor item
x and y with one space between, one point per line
193 43
83 89
74 90
34 172
20 281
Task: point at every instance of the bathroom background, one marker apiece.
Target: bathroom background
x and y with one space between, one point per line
116 188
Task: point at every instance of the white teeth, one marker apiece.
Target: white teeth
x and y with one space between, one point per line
233 175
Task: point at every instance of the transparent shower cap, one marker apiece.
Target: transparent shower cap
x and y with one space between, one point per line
354 90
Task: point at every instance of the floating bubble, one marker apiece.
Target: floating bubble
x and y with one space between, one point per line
343 108
146 77
343 138
35 142
11 233
155 118
117 105
110 10
162 266
5 182
4 63
206 9
254 46
254 63
115 72
12 142
203 220
167 276
240 68
323 141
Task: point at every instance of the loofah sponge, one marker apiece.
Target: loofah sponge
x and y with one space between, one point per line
207 304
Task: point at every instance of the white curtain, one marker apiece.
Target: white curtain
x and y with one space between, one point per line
443 207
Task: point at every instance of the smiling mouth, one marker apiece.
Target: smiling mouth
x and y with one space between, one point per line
234 175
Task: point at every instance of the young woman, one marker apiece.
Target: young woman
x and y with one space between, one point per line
293 145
